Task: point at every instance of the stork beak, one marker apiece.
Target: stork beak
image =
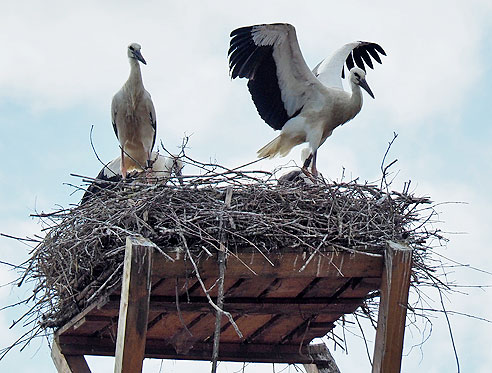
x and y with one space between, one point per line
364 85
139 57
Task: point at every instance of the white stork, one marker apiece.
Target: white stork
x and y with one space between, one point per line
133 117
162 168
305 105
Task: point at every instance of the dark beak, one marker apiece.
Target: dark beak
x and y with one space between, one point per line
139 57
364 85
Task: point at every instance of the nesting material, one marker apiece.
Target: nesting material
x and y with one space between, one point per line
82 254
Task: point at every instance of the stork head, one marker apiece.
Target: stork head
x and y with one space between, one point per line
134 52
358 77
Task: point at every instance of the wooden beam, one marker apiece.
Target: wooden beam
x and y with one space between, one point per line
325 364
252 306
134 306
78 319
392 309
161 349
68 363
287 264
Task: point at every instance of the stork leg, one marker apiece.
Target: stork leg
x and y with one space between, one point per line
314 170
177 171
148 168
123 166
307 162
313 174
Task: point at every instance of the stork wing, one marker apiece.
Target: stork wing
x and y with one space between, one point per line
151 110
114 112
331 70
280 82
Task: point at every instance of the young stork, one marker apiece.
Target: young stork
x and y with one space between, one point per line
133 117
305 105
162 170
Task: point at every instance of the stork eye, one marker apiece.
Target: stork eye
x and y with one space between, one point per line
357 75
131 48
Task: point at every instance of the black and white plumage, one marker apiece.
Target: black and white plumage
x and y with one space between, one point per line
305 105
133 117
162 168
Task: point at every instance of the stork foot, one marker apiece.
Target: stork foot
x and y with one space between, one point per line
149 175
149 172
310 176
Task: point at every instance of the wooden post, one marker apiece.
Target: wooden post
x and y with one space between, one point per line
321 352
392 309
134 306
68 363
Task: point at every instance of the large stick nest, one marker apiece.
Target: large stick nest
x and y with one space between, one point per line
81 256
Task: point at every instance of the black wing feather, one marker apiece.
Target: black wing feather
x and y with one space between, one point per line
266 94
350 62
358 59
256 63
361 56
115 129
374 54
378 48
153 123
367 59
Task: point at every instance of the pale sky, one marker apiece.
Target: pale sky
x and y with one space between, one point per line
63 62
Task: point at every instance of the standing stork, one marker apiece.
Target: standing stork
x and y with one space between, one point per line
305 105
133 117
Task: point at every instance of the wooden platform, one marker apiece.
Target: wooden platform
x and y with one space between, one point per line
278 302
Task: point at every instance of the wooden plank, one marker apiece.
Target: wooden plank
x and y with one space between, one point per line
249 287
249 264
168 286
362 288
211 284
287 287
321 352
68 363
243 305
392 309
111 330
94 307
318 327
325 287
91 324
279 329
247 324
169 324
134 306
204 328
268 353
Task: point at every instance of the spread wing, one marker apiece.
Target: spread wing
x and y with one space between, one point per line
280 82
330 71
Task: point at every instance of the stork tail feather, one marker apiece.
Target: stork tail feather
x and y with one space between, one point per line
278 146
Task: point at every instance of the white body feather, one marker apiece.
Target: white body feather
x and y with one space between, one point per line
134 120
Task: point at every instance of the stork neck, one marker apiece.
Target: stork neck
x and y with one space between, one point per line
135 79
356 98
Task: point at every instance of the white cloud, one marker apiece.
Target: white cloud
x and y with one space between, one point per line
76 54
